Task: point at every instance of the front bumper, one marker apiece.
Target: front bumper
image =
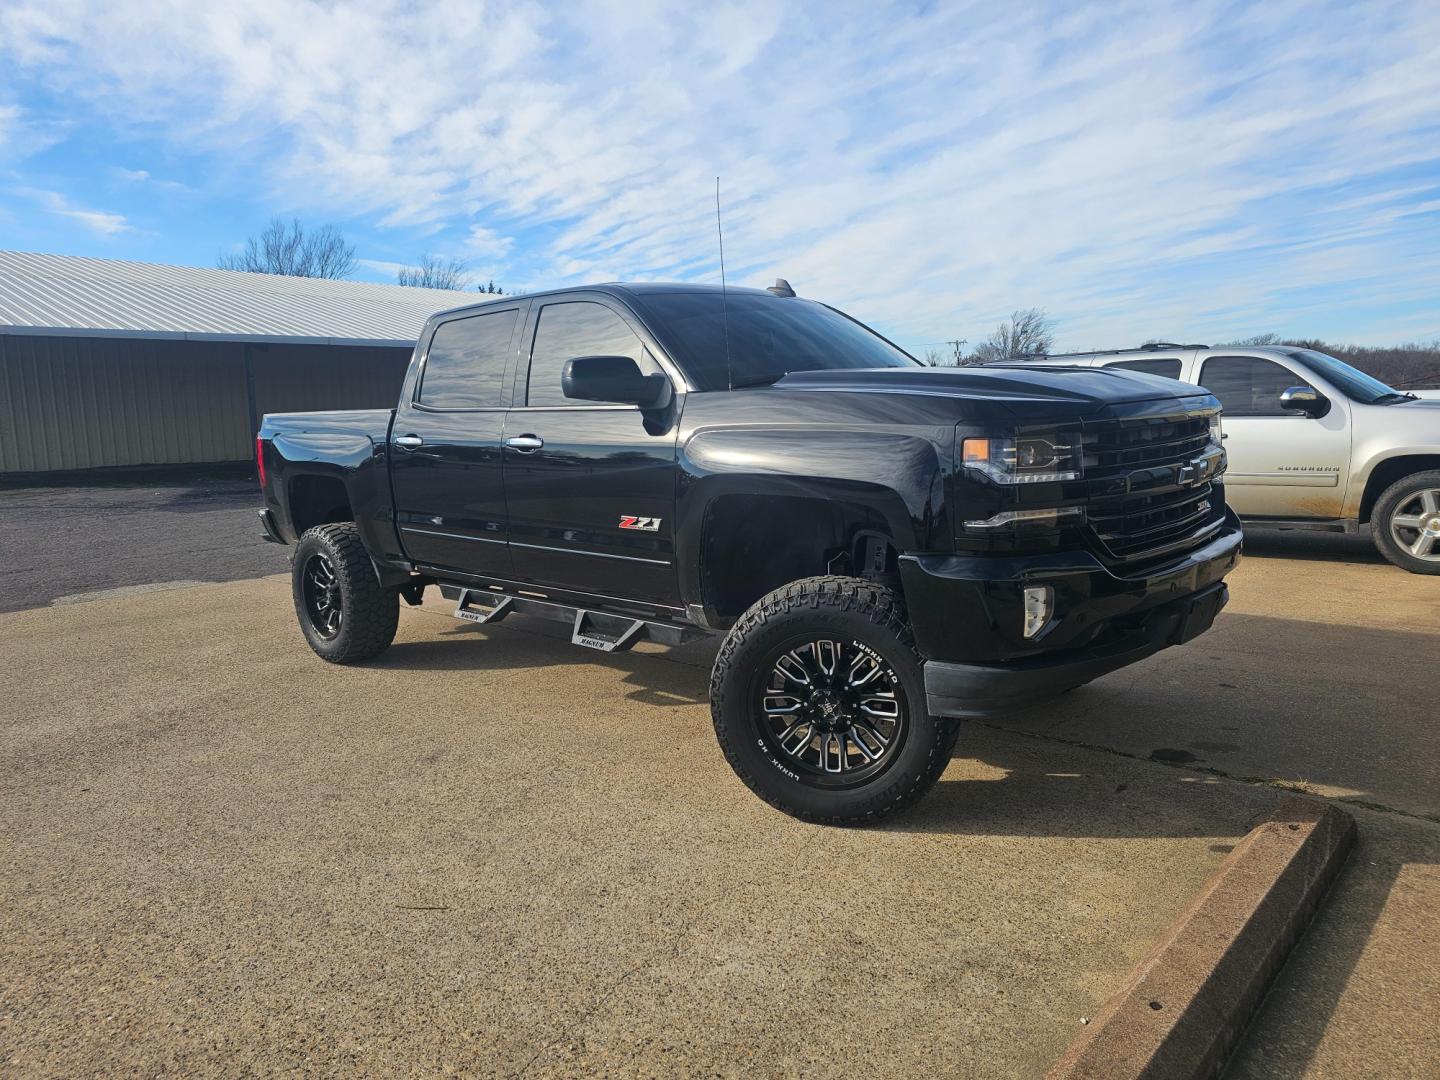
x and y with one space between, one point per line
967 615
975 690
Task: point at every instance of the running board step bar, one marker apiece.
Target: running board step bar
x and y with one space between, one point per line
592 629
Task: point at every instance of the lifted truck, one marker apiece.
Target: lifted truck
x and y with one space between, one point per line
886 547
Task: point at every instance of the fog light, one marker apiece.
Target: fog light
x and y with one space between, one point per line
1039 605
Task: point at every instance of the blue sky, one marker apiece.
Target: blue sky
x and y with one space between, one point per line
1189 171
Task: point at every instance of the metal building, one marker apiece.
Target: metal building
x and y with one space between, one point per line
106 363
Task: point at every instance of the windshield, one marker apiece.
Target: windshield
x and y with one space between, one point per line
769 336
1353 383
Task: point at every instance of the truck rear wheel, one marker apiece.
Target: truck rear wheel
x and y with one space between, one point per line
346 614
819 703
1406 523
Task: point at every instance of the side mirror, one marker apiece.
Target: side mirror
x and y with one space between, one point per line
1307 400
614 379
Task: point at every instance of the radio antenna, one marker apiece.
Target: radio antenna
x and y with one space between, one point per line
724 296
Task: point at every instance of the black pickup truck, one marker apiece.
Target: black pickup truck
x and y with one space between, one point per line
885 547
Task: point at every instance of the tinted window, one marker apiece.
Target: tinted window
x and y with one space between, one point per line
1355 384
465 366
1169 368
577 329
768 336
1248 385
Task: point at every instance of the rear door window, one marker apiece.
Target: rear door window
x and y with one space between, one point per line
1248 385
1166 366
465 364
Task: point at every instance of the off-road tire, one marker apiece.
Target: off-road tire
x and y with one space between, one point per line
849 609
370 612
1391 500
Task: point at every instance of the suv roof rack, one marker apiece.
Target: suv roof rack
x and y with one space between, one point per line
1154 346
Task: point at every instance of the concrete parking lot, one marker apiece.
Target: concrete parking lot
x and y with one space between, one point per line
491 853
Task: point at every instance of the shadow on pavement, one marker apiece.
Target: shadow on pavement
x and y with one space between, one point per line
1308 545
1356 996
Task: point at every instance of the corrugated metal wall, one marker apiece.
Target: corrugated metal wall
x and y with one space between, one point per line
80 403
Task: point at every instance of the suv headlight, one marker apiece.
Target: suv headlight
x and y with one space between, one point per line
1217 430
1024 459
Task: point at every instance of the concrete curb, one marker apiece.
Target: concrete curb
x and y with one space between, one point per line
1183 1009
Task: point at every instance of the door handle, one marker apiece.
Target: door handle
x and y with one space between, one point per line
408 442
526 444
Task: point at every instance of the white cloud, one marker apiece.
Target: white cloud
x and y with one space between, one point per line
1174 165
482 243
380 266
144 176
103 222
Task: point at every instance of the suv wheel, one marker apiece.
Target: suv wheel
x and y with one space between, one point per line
819 703
346 614
1406 523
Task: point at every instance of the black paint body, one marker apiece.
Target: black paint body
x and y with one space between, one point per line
750 488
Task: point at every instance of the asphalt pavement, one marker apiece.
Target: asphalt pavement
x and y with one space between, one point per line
178 527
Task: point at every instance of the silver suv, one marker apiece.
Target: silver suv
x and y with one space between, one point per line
1313 443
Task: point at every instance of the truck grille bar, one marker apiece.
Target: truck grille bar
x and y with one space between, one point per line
1147 520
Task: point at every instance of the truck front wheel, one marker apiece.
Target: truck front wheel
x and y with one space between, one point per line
1406 523
346 614
819 703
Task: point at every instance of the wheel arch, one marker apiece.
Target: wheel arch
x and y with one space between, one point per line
1386 472
751 542
315 499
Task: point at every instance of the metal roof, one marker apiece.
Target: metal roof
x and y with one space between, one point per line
80 297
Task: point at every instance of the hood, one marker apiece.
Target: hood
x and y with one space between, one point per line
1036 383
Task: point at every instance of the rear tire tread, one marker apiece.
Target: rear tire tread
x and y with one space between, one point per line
371 613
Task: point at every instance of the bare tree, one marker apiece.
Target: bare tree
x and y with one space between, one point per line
1026 333
1257 339
294 251
953 356
433 272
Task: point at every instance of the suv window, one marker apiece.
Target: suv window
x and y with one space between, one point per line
577 328
1169 367
1248 385
465 365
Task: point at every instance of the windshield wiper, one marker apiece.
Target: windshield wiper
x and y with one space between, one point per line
1395 396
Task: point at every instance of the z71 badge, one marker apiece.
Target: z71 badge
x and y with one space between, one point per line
629 521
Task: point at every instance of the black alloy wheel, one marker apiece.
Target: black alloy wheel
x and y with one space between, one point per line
834 709
323 600
819 703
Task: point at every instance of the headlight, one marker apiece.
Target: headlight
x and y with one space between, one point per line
1217 431
1024 459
